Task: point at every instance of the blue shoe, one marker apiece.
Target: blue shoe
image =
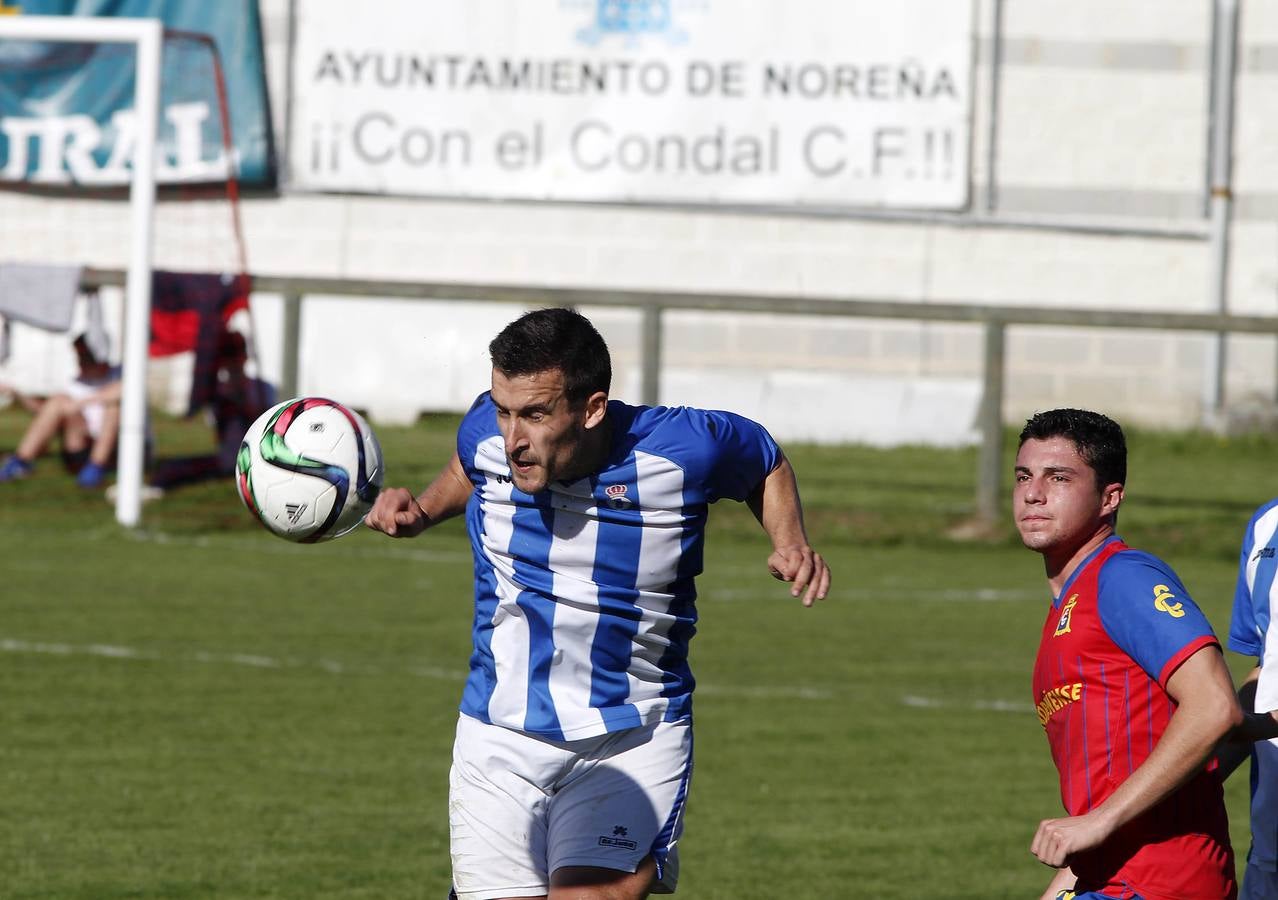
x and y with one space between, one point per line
90 476
14 468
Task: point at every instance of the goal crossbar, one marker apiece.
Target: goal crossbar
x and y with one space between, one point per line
146 36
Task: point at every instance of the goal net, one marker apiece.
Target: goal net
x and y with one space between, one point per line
69 173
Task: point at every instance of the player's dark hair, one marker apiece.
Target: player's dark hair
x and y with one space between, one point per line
556 338
1097 438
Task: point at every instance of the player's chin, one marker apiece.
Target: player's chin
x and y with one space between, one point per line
529 482
1034 539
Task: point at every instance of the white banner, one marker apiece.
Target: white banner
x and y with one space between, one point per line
819 103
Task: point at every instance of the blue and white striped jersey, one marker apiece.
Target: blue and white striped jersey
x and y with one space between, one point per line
1254 629
1254 632
584 595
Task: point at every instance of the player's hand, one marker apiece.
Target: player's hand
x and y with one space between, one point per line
804 568
396 512
1061 886
1058 839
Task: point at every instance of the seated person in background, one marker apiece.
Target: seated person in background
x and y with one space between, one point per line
237 401
86 418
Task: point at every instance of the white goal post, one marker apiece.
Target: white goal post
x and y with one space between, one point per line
146 35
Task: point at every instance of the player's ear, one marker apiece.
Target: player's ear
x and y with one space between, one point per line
596 408
1111 498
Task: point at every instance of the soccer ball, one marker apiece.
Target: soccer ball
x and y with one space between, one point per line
309 469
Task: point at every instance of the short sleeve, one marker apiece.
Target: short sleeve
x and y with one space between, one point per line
1257 570
1147 612
1242 623
1254 629
743 453
479 423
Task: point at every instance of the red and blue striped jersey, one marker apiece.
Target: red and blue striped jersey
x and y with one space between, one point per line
1122 625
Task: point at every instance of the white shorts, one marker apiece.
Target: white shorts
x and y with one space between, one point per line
94 414
521 806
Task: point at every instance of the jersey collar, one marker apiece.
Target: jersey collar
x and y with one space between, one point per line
1069 582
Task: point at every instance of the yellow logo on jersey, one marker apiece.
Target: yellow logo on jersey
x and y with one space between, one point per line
7 10
1062 627
1057 698
1162 594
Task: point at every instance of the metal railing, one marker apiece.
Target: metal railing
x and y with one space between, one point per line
652 304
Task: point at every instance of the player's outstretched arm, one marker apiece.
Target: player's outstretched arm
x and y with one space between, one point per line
775 503
1256 726
398 513
1206 710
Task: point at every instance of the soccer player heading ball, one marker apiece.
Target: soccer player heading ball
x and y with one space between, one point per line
1130 684
587 521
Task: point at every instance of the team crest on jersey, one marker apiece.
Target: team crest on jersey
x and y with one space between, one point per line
1067 616
617 498
1162 602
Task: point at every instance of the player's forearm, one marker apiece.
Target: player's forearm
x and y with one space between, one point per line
447 495
1230 755
1255 726
1235 749
1185 746
1207 711
775 503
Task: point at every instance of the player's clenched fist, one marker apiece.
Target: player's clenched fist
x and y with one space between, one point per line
1058 839
397 514
804 568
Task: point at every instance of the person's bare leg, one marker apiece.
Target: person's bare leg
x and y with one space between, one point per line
48 422
104 443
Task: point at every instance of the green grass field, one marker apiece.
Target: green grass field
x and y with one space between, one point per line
200 710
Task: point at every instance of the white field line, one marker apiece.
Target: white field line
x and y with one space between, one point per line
1007 706
880 595
249 660
388 549
434 673
774 692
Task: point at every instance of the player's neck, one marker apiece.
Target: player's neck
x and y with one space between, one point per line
595 446
1060 565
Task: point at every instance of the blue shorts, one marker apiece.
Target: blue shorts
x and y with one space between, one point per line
1259 884
1092 895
